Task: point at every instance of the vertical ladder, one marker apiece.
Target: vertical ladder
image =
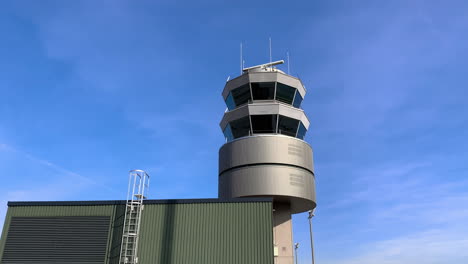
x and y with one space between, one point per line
138 185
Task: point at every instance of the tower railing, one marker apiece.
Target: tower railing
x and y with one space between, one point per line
138 186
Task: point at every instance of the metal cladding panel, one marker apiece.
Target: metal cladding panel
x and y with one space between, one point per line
59 212
207 233
116 235
263 76
173 231
63 239
284 183
266 149
263 108
268 166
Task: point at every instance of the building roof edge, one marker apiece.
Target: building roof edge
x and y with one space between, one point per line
150 201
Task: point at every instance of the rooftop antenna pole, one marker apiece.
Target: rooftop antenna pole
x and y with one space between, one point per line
287 54
241 59
270 50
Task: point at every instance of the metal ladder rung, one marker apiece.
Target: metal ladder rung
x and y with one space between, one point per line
139 183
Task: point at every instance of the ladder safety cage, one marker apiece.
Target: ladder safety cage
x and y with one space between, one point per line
138 187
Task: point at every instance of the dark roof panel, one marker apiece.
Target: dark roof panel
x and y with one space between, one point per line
149 201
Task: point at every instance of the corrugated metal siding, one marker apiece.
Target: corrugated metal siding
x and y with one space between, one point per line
4 233
64 239
54 211
116 239
207 233
175 232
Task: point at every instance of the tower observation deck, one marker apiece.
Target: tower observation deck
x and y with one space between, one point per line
265 154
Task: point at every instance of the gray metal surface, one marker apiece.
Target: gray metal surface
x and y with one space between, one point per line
265 149
268 165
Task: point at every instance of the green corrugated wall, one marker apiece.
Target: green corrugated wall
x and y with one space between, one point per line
212 232
207 233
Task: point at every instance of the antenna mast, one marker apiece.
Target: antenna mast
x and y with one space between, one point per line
270 49
241 59
287 55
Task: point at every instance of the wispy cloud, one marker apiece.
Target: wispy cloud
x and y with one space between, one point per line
382 66
432 246
424 217
56 182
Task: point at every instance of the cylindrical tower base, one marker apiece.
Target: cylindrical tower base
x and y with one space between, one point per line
268 166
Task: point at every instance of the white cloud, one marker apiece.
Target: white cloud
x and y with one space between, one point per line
59 184
411 216
429 247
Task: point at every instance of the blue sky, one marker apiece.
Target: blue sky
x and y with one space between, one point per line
92 89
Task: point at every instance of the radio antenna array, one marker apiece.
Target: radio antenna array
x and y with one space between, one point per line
266 65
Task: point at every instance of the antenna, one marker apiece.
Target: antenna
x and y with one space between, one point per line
241 60
271 64
287 55
270 49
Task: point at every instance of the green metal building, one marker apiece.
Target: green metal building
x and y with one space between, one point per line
172 231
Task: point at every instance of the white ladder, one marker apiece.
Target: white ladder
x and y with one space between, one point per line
138 185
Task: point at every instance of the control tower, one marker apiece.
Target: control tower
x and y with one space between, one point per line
265 154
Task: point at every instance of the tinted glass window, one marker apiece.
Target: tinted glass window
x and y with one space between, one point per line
228 133
302 131
241 95
240 127
263 123
230 102
287 126
263 91
284 93
297 100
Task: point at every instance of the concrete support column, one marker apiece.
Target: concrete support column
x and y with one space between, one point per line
282 234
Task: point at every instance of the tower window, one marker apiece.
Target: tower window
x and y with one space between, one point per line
241 95
287 126
228 133
263 91
297 100
240 127
302 131
285 93
263 124
230 102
